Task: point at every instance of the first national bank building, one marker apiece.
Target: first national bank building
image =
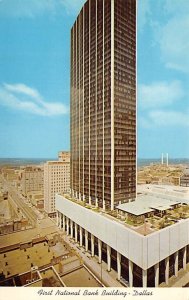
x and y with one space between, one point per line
103 147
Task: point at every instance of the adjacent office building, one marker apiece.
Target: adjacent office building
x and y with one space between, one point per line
31 179
103 151
56 180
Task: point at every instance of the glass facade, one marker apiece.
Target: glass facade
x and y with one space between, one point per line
125 100
103 102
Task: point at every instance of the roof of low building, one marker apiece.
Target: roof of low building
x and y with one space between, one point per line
148 203
134 208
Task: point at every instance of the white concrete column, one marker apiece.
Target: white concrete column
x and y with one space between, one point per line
81 235
71 226
156 269
92 245
99 251
118 266
167 270
109 257
144 278
67 225
76 232
184 258
176 263
64 222
130 273
86 240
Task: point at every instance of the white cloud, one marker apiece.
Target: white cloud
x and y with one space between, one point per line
162 118
174 43
25 8
23 89
176 7
159 94
24 98
143 13
171 32
168 118
32 8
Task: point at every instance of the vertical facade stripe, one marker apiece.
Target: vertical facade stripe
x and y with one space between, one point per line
89 100
83 101
71 110
76 118
96 158
112 104
103 200
79 59
136 99
72 104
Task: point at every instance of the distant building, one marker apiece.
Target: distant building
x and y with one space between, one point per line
36 198
56 180
64 156
10 174
184 179
31 179
160 174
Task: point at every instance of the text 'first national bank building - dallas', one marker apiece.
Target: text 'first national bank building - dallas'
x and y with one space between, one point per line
103 103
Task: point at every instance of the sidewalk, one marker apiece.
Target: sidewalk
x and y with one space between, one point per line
108 279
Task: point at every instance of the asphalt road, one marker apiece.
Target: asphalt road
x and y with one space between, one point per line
18 199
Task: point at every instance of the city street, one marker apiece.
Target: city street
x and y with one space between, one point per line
19 201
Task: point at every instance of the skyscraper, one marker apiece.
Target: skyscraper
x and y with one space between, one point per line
103 103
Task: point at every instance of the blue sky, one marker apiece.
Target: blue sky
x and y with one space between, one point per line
34 77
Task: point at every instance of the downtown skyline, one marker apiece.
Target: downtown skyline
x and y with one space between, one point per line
34 84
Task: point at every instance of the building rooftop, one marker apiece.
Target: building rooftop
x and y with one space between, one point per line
57 162
134 208
168 206
167 192
46 227
147 203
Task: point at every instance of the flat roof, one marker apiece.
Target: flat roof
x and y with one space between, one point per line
136 208
57 162
147 203
46 227
157 200
162 207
